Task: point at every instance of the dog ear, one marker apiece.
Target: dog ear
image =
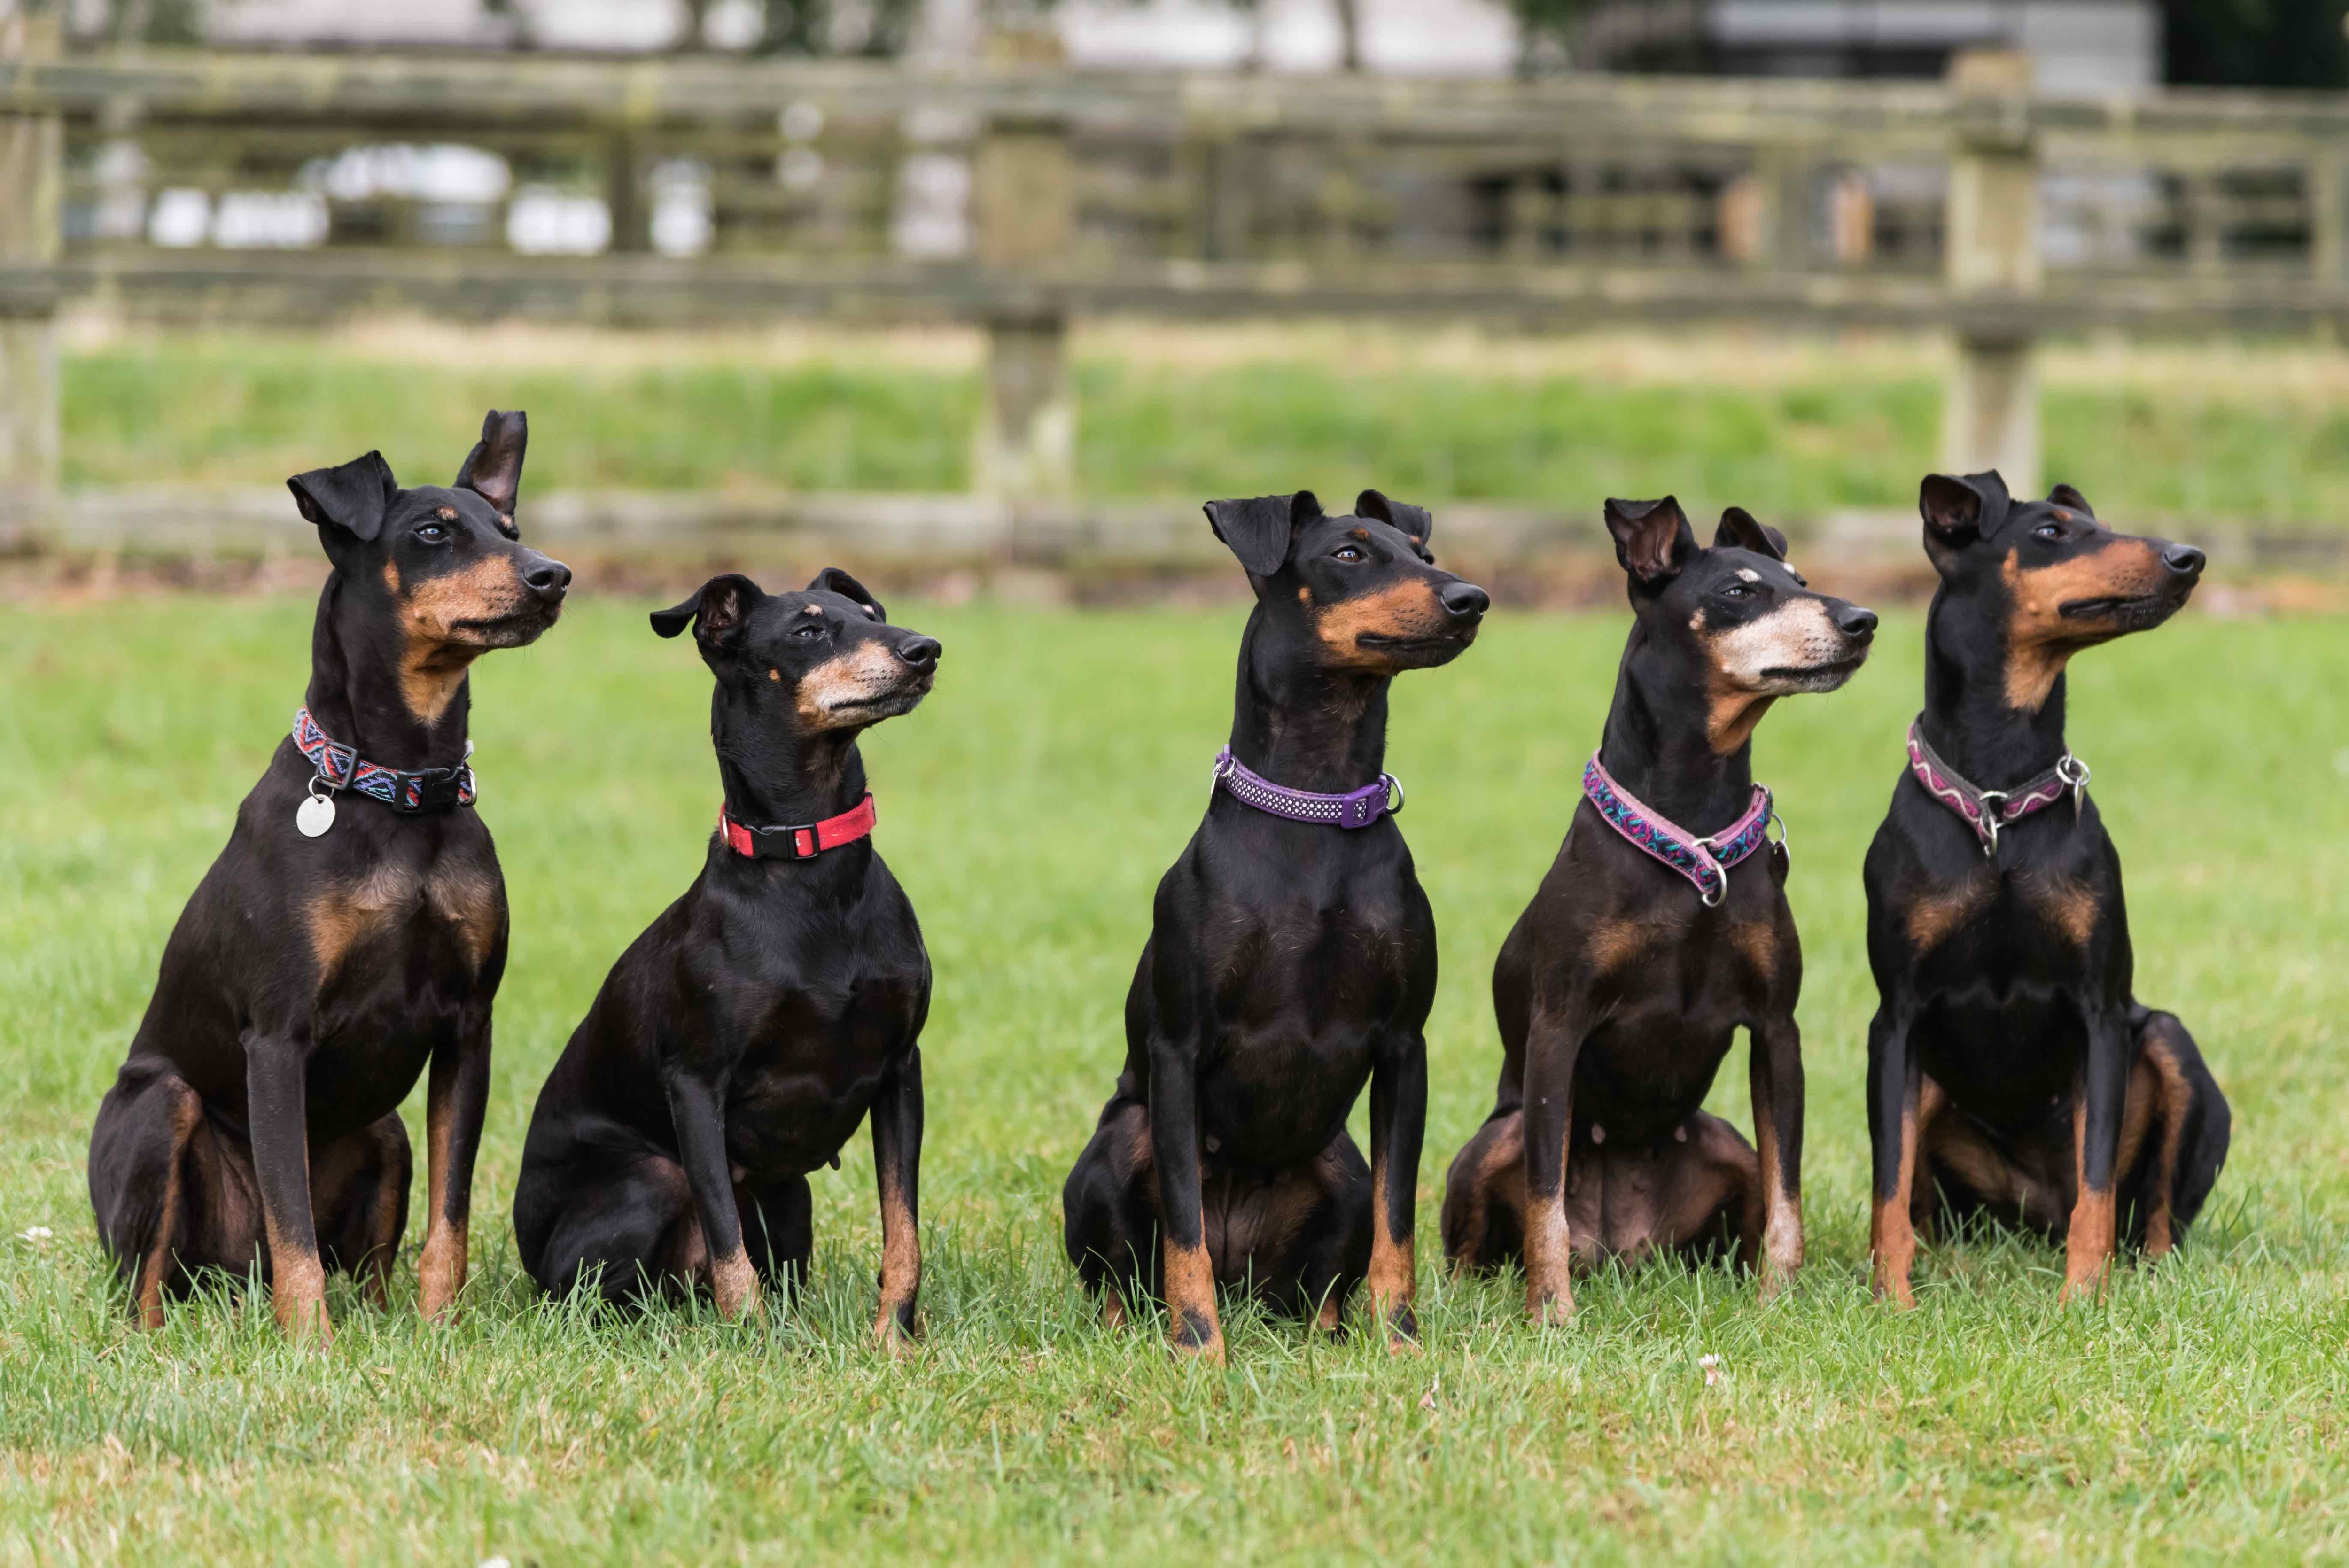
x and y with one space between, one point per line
1738 530
2066 496
492 470
1258 531
352 498
1957 511
833 579
1416 523
1652 538
717 614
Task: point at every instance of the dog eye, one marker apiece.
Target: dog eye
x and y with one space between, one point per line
1347 552
807 632
1737 591
2049 530
433 532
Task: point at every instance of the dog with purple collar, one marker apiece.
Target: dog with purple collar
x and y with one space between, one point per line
1662 928
1292 959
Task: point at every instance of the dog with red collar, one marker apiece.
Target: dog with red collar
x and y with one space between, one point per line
740 1039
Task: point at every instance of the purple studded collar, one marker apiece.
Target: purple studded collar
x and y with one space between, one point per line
1355 808
1988 810
1706 861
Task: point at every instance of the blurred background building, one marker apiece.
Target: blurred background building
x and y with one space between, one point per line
2085 45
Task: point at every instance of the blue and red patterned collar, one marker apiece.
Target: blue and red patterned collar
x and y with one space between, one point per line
339 768
1706 861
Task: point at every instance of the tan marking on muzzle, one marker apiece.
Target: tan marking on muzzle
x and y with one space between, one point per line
827 692
1797 636
440 643
1406 611
2040 639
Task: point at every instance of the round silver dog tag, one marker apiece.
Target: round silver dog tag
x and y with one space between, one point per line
315 815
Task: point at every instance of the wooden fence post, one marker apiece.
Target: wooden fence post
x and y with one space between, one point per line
32 176
1026 190
1990 415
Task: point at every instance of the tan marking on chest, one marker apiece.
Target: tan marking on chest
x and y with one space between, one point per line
1932 918
342 916
1757 943
471 904
2069 906
1616 944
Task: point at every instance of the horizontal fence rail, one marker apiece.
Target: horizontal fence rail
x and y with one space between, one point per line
290 187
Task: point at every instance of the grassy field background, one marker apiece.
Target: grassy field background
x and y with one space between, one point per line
2196 1413
1789 428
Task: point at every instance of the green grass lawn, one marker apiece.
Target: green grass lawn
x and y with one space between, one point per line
1790 429
2196 1413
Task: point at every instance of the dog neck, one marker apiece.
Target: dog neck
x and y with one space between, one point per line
1968 717
1301 726
773 775
355 693
1657 742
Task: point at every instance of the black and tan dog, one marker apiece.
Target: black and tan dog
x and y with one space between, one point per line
742 1037
1291 958
2010 1064
1623 982
354 928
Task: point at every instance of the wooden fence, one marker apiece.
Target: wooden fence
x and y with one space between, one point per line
199 186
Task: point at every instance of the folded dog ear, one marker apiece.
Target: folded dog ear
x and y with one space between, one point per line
1416 522
352 498
1957 511
1258 531
717 614
494 469
833 579
1652 538
1738 530
2064 495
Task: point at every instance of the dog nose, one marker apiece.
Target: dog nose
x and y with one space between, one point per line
546 577
1854 622
2183 558
1464 601
922 652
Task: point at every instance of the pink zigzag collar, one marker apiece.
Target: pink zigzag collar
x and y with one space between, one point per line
1988 810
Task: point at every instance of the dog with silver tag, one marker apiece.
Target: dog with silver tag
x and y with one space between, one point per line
353 929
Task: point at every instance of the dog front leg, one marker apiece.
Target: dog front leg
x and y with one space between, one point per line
1892 1083
1775 1070
1398 1127
276 1094
1174 1139
2098 1102
1553 1043
455 1101
698 1110
898 1170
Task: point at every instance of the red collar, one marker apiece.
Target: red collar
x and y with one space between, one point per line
804 842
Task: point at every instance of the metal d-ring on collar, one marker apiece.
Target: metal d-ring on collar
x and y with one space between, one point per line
1986 812
1704 862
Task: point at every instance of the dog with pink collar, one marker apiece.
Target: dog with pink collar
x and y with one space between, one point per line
1662 928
